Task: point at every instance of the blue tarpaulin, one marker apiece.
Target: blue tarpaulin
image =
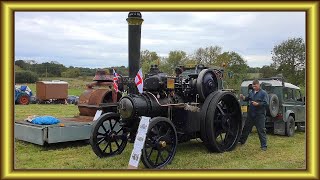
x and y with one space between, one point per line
45 120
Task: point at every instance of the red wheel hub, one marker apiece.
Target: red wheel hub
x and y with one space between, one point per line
24 100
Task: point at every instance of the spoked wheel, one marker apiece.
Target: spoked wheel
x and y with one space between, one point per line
24 99
223 122
161 143
107 137
204 115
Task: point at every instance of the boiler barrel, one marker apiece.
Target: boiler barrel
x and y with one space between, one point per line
133 106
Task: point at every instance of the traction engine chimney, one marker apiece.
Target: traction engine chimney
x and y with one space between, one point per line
134 37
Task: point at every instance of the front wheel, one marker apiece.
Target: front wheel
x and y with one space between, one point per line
108 137
161 143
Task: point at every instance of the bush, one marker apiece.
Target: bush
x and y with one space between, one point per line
71 73
25 77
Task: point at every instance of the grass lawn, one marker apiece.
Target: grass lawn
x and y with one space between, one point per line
283 152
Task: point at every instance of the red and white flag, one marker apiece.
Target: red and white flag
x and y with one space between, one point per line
115 80
139 81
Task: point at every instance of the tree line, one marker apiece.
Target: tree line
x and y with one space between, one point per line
288 59
29 71
235 66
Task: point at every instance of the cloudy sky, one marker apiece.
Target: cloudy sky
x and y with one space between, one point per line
95 39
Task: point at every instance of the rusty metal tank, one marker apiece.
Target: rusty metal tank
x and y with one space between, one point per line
98 95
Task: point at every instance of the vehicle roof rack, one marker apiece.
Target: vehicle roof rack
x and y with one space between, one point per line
271 78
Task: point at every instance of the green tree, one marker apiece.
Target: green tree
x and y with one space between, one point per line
71 73
147 59
27 65
268 71
147 55
17 68
174 59
25 77
235 69
122 70
207 55
254 69
86 71
289 58
49 69
21 63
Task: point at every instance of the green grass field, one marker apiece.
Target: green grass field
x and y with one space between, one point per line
283 152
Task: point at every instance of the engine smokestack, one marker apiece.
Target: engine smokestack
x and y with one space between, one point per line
134 37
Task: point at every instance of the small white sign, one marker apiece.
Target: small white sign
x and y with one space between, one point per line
135 158
139 142
97 115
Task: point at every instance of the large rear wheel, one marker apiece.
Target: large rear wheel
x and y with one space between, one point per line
223 122
204 110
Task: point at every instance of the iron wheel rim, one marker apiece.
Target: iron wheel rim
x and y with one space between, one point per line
160 145
224 122
108 138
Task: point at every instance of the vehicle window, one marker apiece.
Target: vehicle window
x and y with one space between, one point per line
298 95
285 93
288 93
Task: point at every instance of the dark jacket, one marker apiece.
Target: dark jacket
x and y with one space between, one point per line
260 97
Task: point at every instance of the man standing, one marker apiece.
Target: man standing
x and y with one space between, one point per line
258 101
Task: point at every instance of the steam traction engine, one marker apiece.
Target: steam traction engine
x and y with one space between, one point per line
190 105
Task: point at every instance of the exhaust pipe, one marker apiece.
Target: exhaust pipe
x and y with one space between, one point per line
134 37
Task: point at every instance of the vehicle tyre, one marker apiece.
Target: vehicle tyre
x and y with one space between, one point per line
301 127
290 126
273 105
23 99
160 144
270 130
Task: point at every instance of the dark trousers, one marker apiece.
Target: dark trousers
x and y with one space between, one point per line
258 120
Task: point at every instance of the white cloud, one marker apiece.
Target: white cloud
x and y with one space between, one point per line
68 29
258 60
232 19
93 38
